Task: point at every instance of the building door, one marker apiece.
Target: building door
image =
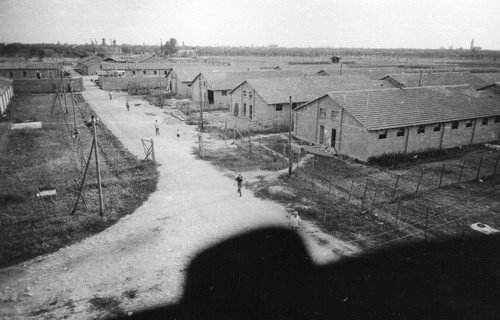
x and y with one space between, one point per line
235 109
210 97
334 135
321 134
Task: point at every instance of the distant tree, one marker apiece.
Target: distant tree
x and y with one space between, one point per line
170 46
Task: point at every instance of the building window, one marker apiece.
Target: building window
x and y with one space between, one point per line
11 74
38 75
244 93
454 125
133 73
334 114
224 93
165 72
279 107
244 109
497 119
322 113
250 94
401 132
144 72
382 135
155 72
421 129
437 127
468 123
484 122
25 73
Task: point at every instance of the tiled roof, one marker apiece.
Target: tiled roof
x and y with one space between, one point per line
138 66
229 80
394 108
29 65
304 89
436 79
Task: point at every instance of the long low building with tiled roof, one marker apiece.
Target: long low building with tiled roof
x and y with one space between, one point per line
425 79
30 70
266 100
370 123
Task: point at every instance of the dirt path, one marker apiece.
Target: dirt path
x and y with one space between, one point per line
140 261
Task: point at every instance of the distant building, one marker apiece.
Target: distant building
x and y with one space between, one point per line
370 123
472 47
6 93
409 80
89 65
216 85
30 70
266 100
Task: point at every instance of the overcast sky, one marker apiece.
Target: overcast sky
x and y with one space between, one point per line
301 23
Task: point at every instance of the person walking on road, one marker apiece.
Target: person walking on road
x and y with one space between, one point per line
157 128
239 181
178 134
295 221
110 97
128 106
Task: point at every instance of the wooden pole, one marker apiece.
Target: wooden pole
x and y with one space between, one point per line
350 191
73 105
201 104
200 149
441 176
82 184
461 170
101 204
496 165
419 181
290 158
153 150
395 186
479 168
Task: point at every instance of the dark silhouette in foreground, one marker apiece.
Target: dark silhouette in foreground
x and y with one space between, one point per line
267 274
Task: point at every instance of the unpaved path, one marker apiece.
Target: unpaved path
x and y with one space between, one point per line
147 251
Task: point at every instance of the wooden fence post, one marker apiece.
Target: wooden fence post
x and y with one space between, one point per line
419 181
441 176
350 191
479 168
395 186
461 170
496 165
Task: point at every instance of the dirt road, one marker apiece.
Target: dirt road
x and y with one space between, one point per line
140 261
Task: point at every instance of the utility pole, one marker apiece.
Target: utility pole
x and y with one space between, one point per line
73 105
290 156
82 183
101 205
201 104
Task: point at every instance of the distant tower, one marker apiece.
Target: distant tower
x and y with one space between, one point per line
103 41
472 44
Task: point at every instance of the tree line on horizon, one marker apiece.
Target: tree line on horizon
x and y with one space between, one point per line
51 50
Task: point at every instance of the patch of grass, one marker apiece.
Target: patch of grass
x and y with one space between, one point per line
50 159
402 160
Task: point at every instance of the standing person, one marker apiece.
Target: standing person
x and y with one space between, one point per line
128 106
295 221
110 97
239 181
157 128
178 134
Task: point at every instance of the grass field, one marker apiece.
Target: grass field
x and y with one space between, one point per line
50 158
